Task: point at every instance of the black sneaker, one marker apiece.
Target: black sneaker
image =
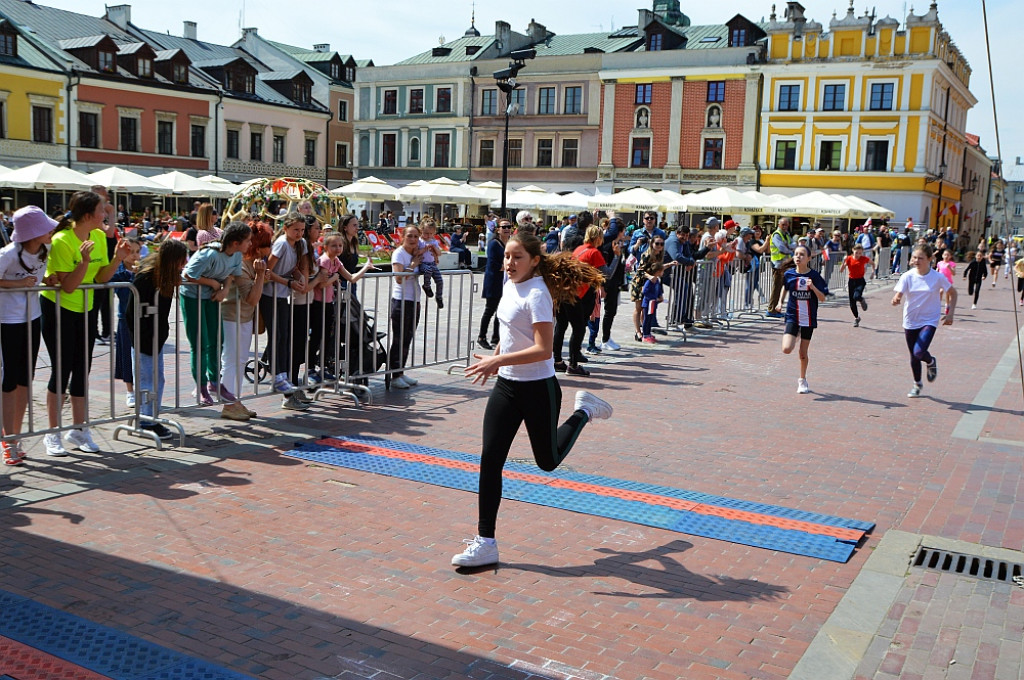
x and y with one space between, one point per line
561 366
440 303
864 304
483 344
428 292
577 370
582 360
933 370
158 429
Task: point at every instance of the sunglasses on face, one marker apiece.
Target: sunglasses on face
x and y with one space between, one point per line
659 243
648 217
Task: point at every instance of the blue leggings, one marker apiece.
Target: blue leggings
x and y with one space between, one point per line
918 340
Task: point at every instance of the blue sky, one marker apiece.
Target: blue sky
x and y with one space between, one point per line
396 29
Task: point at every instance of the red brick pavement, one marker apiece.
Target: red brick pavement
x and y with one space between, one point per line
289 570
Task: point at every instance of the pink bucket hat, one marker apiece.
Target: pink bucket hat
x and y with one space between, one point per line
31 222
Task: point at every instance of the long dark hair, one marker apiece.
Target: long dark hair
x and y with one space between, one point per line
563 274
287 221
82 203
235 232
349 245
165 266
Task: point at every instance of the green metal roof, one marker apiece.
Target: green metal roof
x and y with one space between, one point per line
578 43
458 51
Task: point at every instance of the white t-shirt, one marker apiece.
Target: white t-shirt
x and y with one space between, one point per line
406 288
285 265
922 297
522 305
13 304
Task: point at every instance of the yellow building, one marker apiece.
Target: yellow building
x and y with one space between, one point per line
866 108
33 104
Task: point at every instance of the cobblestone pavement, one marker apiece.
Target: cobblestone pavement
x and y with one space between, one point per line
226 550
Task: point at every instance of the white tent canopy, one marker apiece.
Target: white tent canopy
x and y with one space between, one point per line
3 169
119 180
631 200
871 208
368 189
442 190
489 190
573 201
45 177
814 204
723 200
674 201
221 182
530 197
186 185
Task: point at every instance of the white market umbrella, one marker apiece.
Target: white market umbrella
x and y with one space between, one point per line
442 190
490 190
3 169
368 189
186 185
631 200
723 200
573 201
674 201
45 177
813 204
123 181
530 197
870 207
221 182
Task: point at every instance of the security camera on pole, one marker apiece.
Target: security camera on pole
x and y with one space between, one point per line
506 79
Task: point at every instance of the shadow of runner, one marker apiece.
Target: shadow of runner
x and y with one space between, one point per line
671 581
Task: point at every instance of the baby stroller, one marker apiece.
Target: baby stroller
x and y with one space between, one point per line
363 347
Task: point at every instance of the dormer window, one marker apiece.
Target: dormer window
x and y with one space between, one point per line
654 42
105 61
350 74
738 37
336 71
8 45
300 93
180 72
145 67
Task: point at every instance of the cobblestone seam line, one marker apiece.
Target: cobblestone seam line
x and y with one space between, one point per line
972 423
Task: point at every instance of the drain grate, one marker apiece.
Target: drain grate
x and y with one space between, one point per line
974 566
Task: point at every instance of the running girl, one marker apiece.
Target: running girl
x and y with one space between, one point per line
526 388
22 265
921 288
975 273
806 289
995 260
856 264
946 266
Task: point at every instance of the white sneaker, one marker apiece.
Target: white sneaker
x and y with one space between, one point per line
595 407
479 552
413 382
610 345
802 387
974 306
400 383
53 445
915 391
282 385
82 440
129 400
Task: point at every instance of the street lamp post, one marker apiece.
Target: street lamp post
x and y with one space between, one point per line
506 80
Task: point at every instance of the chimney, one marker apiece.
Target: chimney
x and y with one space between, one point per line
249 33
537 32
120 16
503 34
189 30
322 47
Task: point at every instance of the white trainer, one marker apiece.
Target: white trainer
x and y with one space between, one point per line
915 391
802 386
129 400
611 345
479 552
400 383
82 440
53 445
595 407
413 382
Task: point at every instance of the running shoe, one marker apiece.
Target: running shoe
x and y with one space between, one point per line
561 366
440 303
802 387
483 344
856 322
611 345
282 385
479 552
915 391
582 360
650 339
11 456
400 383
53 445
103 340
235 411
593 349
933 370
413 382
158 429
82 440
974 306
129 400
314 379
292 404
577 370
595 407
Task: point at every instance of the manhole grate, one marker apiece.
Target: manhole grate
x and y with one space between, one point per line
974 566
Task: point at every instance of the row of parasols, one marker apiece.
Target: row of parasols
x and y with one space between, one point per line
46 177
722 200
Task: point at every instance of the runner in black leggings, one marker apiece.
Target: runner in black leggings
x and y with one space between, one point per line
975 273
526 388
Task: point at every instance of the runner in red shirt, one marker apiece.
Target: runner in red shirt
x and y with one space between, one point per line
856 264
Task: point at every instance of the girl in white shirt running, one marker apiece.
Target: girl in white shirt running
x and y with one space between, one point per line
526 388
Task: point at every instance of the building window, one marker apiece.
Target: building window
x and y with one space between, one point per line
518 97
515 153
335 71
388 145
145 67
643 93
341 155
1018 209
785 155
713 153
573 99
88 130
416 100
570 152
105 62
881 97
641 155
310 151
835 98
165 137
277 149
546 103
489 103
716 90
414 150
442 150
42 124
198 141
654 42
390 102
129 134
343 111
233 144
738 37
789 98
300 93
877 157
444 100
256 146
180 73
350 74
486 158
829 156
8 45
545 152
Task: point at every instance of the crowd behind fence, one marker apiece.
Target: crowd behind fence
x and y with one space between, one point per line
329 349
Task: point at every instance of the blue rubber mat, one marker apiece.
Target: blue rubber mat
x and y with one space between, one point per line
97 648
638 512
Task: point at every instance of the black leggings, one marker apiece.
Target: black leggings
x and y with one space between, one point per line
611 306
15 340
856 288
490 308
512 402
918 341
1020 287
974 288
77 337
277 317
574 315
